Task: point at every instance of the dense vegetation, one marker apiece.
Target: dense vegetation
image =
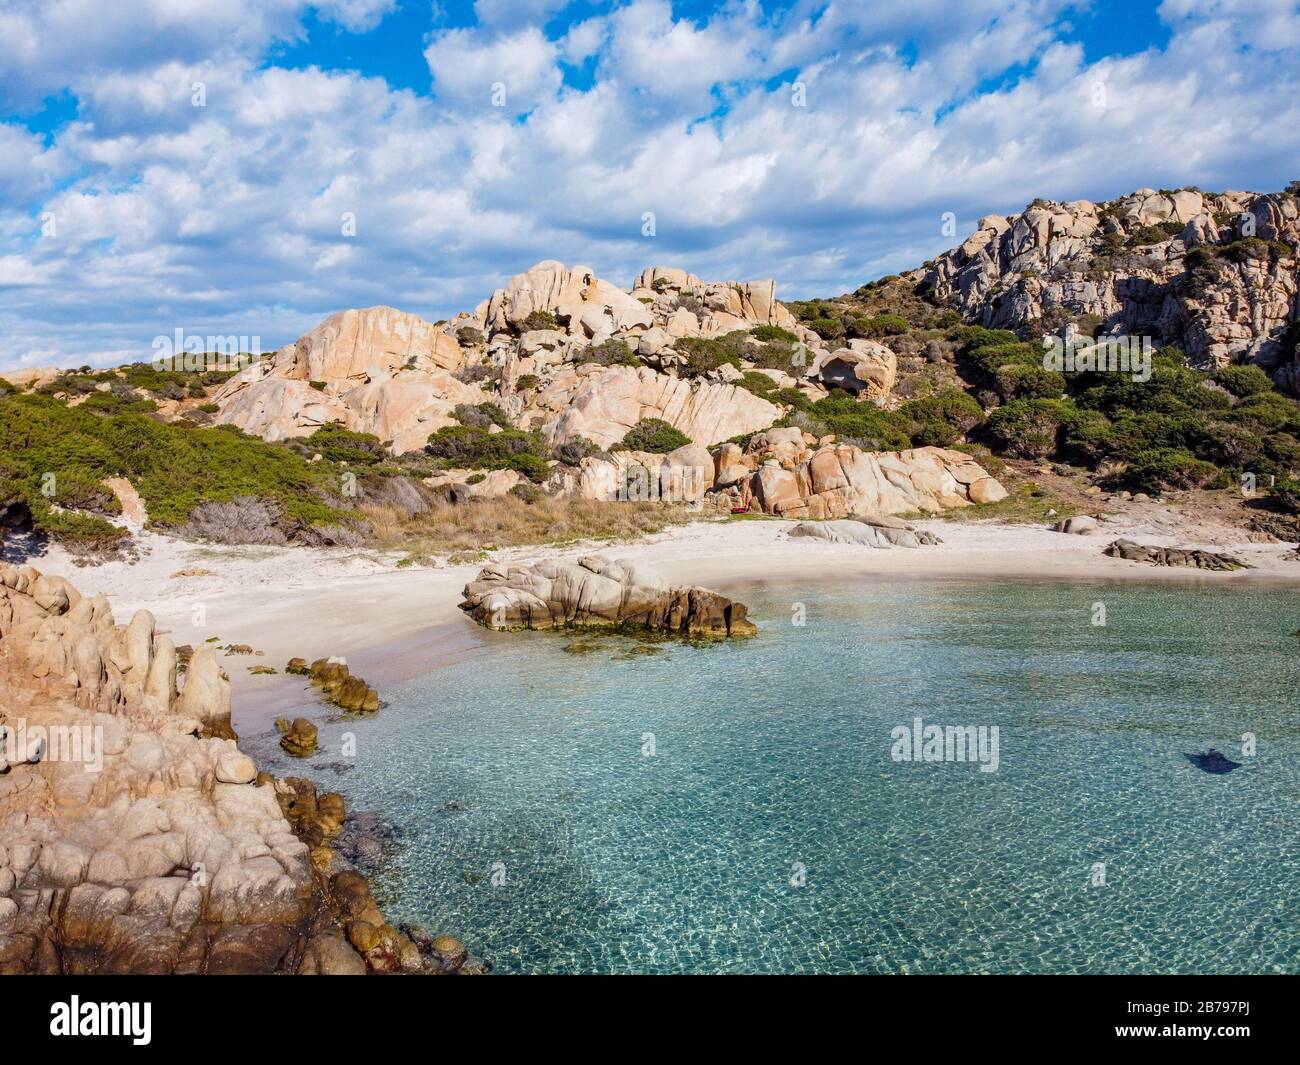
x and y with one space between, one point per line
53 459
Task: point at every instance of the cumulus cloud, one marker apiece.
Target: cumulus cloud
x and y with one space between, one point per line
291 193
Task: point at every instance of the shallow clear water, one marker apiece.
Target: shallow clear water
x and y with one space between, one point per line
776 751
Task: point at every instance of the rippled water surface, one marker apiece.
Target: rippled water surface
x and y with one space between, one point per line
772 757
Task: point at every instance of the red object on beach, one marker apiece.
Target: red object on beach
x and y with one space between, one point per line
740 510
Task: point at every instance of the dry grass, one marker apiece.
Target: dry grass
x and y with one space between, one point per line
506 521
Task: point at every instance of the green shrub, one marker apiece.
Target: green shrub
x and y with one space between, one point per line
1153 471
880 325
572 452
705 354
943 419
529 493
337 444
481 415
470 337
758 383
863 423
1030 428
1155 234
539 320
475 447
828 328
773 332
1243 381
611 352
320 386
654 435
1088 437
527 382
791 397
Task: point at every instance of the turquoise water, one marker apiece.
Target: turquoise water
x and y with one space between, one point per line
776 751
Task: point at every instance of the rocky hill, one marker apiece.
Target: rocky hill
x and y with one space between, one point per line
705 392
1213 273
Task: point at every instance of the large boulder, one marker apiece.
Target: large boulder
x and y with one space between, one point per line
598 592
603 404
863 368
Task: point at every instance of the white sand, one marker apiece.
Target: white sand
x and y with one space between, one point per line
313 602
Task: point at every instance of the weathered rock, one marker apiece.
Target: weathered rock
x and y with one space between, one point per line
153 849
868 533
790 480
1056 262
1174 556
300 738
1079 525
602 404
863 368
598 591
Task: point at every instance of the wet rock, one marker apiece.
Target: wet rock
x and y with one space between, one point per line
300 738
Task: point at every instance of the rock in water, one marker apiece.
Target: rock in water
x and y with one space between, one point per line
598 591
1213 761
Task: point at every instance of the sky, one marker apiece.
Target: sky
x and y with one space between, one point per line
248 167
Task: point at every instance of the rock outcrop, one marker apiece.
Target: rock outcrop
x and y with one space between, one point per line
867 532
1214 274
1174 556
598 592
779 472
378 371
602 405
132 838
398 377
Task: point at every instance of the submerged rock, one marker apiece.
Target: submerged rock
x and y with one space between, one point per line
1213 761
598 591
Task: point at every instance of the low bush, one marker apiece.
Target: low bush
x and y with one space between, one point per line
654 435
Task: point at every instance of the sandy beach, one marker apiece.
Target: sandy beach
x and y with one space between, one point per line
392 621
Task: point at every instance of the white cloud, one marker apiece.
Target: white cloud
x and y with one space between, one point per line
468 68
227 218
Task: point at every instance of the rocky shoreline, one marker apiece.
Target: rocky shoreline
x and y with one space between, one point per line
135 836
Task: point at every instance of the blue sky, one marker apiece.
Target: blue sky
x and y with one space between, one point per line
819 143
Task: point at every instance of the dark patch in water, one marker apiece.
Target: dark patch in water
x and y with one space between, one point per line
1212 762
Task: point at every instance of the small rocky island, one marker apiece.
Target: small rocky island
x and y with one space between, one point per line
598 592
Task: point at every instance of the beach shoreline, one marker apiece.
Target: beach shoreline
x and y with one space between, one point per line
392 620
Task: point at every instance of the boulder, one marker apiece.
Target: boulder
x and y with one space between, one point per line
1079 525
299 738
598 591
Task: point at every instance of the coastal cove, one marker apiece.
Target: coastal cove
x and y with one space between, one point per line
578 804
